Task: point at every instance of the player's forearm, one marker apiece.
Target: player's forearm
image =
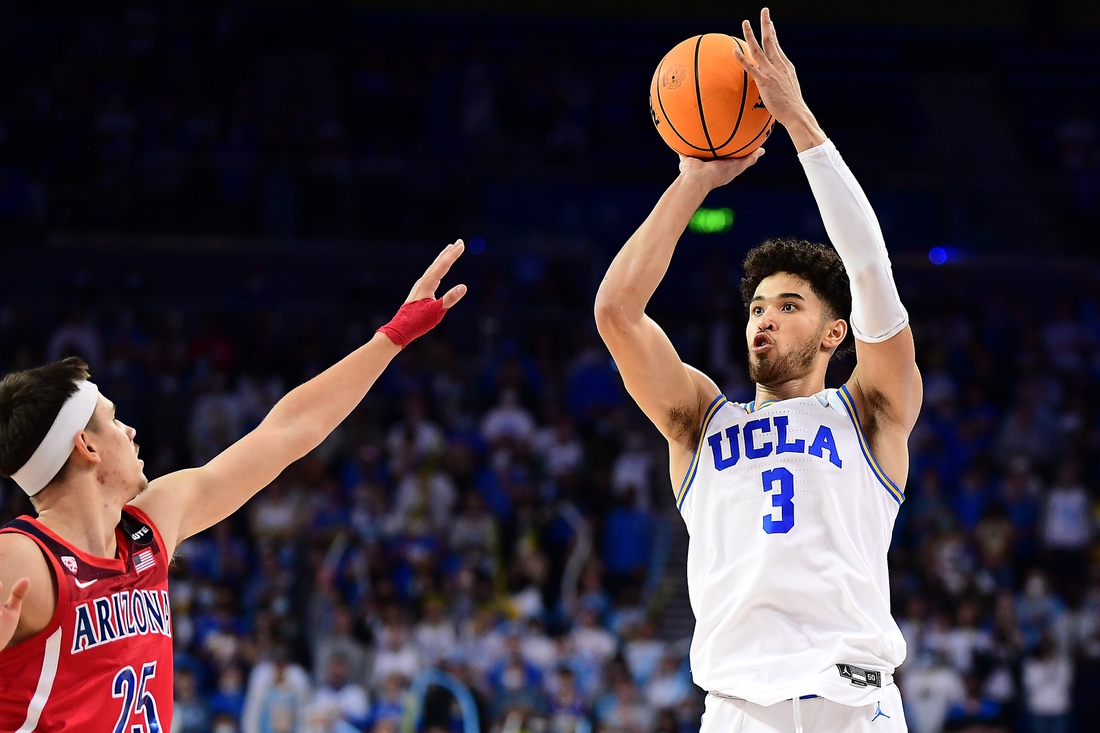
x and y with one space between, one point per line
877 312
308 413
641 264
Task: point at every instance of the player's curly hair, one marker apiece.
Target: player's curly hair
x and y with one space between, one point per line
817 264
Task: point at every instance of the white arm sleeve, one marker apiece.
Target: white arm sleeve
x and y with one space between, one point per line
877 312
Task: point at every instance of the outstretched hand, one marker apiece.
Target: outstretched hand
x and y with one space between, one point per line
9 612
715 173
777 81
429 282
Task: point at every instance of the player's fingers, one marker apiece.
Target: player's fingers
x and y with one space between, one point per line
18 591
750 160
445 259
767 35
446 255
746 63
754 45
453 295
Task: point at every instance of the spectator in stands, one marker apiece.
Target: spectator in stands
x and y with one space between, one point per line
325 717
643 652
670 683
627 540
339 638
1047 679
932 688
567 706
1067 524
395 653
223 723
389 704
190 711
340 694
517 687
228 699
623 708
975 712
590 640
278 692
435 635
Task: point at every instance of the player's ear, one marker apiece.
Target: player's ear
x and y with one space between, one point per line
85 447
835 332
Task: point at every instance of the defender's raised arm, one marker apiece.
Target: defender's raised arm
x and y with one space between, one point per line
186 502
672 394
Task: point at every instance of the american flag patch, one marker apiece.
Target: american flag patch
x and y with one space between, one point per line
144 560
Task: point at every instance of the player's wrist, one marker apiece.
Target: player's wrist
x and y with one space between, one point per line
697 180
414 319
804 131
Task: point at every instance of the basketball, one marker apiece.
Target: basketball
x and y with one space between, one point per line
704 104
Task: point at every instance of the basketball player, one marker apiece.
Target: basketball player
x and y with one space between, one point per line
86 636
789 500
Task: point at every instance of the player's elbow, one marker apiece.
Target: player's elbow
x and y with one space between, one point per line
613 310
610 319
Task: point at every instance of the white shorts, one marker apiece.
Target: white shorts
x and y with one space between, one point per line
730 715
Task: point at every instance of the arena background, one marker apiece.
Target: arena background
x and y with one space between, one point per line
212 201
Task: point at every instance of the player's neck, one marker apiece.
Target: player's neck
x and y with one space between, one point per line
85 515
806 385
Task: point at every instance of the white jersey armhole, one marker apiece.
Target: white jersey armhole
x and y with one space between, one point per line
850 407
685 485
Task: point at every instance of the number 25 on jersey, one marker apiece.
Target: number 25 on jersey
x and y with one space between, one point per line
137 700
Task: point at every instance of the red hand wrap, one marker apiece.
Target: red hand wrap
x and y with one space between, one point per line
413 320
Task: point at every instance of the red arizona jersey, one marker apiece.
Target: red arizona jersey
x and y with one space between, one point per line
104 663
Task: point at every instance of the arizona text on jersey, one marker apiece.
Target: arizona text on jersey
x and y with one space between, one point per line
105 660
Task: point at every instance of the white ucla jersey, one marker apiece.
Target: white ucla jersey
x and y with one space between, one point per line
790 521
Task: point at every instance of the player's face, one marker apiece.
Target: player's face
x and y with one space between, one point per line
785 329
114 440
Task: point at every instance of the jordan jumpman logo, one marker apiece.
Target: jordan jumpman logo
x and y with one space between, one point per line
878 712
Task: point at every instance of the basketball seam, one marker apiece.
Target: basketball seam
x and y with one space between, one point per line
661 104
750 142
699 99
744 94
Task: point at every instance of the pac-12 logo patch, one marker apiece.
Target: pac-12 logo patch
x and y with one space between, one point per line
70 562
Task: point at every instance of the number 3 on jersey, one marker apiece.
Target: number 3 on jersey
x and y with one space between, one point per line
782 500
136 698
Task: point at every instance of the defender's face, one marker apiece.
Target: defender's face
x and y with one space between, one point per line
114 440
784 330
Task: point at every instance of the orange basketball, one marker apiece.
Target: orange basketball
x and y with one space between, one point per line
704 104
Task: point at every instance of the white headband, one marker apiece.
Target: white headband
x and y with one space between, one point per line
57 446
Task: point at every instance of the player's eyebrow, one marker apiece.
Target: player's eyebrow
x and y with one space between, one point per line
781 296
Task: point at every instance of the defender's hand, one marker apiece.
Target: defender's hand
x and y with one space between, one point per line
9 612
775 76
428 283
714 173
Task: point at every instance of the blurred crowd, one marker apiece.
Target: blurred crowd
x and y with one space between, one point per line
332 121
505 517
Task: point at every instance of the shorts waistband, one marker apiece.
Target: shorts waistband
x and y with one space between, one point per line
858 676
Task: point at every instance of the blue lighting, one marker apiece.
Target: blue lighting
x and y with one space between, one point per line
937 255
476 245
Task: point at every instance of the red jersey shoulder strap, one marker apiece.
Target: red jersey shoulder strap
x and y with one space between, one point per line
53 551
142 532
